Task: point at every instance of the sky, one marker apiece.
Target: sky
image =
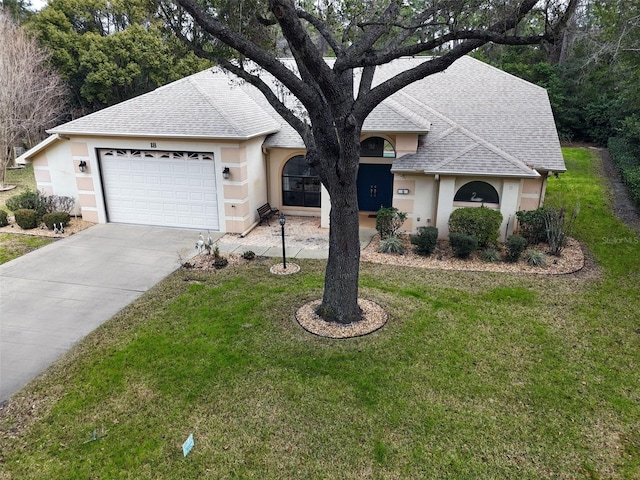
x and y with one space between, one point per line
38 4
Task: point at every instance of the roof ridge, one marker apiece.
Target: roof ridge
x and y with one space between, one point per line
407 113
476 138
210 101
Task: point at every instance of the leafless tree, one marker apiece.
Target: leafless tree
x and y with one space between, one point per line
31 94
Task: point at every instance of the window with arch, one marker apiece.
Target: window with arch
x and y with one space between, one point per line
300 184
377 147
478 192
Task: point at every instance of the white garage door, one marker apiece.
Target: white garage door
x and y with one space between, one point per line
173 189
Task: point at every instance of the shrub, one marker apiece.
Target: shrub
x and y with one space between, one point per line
535 257
425 240
41 203
482 223
388 221
515 246
531 225
490 254
27 200
391 244
26 218
220 262
559 224
463 245
626 157
4 221
248 255
56 217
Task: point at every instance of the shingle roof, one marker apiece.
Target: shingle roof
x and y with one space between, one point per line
508 119
202 105
472 118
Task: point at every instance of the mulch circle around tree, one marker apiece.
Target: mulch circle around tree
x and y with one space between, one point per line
279 269
374 317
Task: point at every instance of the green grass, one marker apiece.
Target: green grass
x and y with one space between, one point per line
13 246
22 178
476 375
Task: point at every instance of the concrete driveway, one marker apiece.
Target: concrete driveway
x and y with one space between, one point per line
52 297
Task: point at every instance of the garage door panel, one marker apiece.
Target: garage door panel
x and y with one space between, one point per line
160 188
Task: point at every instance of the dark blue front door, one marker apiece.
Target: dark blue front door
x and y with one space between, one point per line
375 186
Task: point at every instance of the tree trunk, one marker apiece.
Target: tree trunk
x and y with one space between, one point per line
340 299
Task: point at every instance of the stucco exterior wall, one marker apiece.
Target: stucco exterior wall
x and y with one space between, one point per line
57 172
245 190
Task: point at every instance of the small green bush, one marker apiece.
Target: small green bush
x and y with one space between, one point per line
248 255
490 254
425 240
515 246
463 245
391 244
27 218
4 221
531 225
27 200
40 202
480 222
535 257
388 221
220 262
56 217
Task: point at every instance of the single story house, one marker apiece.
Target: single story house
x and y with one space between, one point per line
206 151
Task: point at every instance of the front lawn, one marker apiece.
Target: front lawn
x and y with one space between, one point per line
13 246
22 178
476 375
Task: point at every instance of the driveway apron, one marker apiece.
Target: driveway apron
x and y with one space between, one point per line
52 297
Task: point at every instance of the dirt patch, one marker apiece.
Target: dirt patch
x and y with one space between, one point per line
374 317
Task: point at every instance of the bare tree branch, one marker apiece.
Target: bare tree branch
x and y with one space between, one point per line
31 94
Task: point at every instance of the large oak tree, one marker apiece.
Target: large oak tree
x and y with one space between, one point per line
361 36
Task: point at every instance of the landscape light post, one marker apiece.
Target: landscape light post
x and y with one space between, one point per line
283 220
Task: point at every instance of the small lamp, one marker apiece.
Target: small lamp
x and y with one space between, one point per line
82 166
226 173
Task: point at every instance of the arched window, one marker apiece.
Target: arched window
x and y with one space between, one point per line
300 184
479 192
377 147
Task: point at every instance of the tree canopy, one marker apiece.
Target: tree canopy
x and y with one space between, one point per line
110 51
337 97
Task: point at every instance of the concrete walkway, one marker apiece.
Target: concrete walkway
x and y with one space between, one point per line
54 296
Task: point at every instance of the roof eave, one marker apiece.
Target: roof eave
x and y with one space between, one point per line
533 174
38 148
162 135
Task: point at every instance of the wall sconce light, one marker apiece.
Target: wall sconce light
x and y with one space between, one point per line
403 191
226 173
82 166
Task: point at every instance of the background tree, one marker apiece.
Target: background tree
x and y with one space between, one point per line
361 36
18 10
31 94
110 51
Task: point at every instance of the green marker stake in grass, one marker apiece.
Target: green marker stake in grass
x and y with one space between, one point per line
187 445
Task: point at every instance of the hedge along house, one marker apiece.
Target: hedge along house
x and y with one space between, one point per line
206 151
